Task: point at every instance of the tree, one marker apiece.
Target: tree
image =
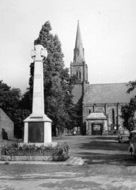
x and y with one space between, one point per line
26 100
128 111
128 114
10 99
132 86
57 82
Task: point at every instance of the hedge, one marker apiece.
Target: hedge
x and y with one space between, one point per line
58 153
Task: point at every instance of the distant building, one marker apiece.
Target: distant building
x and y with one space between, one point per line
101 103
6 126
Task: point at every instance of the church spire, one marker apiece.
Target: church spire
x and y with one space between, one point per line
79 50
79 67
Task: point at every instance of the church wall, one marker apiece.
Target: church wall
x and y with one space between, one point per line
92 108
76 71
112 111
99 109
119 113
112 116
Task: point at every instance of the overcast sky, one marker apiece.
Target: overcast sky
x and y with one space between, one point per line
108 30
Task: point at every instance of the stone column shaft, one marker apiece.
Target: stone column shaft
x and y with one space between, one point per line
38 90
26 132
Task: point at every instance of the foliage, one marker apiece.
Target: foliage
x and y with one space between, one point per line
57 83
10 99
18 117
26 101
132 86
128 112
4 134
59 153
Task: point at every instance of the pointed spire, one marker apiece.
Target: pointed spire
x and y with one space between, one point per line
78 37
79 50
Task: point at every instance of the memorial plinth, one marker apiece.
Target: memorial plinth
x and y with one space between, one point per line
37 127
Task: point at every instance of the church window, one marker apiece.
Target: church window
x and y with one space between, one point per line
77 52
79 74
113 116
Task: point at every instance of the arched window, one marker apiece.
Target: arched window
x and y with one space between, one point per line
79 74
89 111
113 117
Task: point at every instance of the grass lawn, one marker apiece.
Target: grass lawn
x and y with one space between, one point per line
108 166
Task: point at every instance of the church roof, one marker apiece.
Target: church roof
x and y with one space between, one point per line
108 93
96 116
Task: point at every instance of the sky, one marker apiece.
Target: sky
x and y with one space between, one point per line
108 30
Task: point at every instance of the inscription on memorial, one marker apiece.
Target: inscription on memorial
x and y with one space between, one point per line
36 132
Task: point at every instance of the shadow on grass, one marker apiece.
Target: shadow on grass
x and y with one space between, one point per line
103 152
115 159
109 137
104 145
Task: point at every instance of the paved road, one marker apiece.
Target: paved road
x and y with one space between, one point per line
108 166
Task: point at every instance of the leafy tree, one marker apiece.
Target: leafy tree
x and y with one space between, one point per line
26 101
128 111
9 98
57 83
18 117
132 86
10 102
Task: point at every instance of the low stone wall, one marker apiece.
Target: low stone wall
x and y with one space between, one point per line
26 158
31 152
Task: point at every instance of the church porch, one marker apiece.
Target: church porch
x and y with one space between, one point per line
96 124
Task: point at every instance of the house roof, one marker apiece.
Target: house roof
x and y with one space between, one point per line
108 93
94 116
4 116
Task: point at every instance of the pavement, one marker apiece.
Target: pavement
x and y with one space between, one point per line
73 161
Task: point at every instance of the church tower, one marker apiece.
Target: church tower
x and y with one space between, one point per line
78 67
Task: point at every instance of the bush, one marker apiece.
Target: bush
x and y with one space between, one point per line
58 153
61 152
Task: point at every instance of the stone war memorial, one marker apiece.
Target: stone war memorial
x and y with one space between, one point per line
37 126
37 144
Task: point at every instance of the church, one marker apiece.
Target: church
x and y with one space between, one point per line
100 103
